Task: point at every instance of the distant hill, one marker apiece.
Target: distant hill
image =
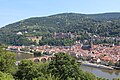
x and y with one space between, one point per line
106 24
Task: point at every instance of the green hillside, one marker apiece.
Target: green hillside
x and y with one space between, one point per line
107 24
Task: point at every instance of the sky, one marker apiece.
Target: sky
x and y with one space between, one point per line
16 10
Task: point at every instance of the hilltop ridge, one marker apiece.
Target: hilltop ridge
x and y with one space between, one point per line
104 24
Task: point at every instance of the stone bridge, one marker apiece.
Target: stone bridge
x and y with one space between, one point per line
42 59
39 59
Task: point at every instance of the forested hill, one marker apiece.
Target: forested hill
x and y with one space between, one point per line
107 24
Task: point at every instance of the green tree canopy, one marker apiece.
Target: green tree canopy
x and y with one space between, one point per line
4 76
66 68
28 70
7 61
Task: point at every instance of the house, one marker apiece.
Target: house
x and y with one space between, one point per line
105 60
63 35
19 33
35 38
15 48
26 32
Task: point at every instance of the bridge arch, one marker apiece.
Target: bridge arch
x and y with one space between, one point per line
36 60
43 60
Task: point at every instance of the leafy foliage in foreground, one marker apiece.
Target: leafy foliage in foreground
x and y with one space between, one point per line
7 61
65 67
28 70
5 76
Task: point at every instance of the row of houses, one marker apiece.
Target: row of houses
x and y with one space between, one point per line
97 53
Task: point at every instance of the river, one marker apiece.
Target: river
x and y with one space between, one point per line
20 56
109 74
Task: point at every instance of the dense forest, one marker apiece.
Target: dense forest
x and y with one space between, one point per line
107 25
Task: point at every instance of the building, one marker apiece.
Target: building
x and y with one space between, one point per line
19 33
35 38
63 35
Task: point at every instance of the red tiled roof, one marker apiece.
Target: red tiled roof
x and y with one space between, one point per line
106 58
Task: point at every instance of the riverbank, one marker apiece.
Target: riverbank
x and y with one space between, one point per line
86 63
104 73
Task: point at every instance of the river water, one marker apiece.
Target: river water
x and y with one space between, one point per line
109 74
20 56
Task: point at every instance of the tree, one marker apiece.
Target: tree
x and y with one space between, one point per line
116 79
7 61
5 76
65 67
46 77
28 70
117 63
